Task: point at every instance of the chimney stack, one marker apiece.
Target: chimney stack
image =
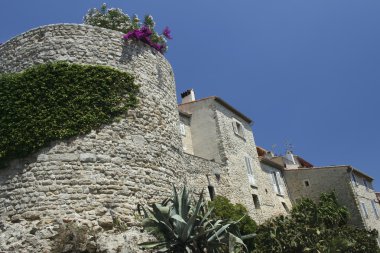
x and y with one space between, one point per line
290 157
188 96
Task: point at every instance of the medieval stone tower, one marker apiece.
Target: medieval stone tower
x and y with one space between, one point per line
114 168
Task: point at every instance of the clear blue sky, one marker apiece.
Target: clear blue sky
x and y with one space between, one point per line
307 72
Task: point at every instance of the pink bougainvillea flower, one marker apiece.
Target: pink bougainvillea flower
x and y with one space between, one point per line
146 31
144 34
167 34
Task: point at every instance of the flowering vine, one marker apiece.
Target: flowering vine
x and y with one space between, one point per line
145 32
116 19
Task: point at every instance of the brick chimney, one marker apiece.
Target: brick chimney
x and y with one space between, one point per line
188 96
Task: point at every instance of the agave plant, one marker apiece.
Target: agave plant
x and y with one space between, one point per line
182 227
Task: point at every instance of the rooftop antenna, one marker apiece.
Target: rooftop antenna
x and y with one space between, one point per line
274 146
289 147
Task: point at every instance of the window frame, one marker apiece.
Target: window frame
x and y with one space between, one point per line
249 168
256 201
236 126
285 206
354 179
364 209
367 184
182 129
375 210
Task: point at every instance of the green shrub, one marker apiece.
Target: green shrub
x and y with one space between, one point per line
116 19
55 101
224 209
314 228
113 18
183 225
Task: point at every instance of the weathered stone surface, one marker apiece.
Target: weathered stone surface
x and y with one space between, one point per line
87 157
134 160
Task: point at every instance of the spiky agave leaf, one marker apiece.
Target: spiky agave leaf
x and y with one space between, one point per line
187 226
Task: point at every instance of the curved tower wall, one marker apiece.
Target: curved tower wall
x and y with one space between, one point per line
131 161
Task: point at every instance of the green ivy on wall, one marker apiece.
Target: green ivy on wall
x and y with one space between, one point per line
54 101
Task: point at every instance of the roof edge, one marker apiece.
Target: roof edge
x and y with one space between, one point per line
225 104
335 167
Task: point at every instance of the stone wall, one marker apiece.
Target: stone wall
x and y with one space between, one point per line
111 169
214 139
366 195
187 142
279 199
324 180
202 172
203 129
233 149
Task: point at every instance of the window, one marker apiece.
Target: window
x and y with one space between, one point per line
276 182
276 185
354 179
364 209
211 191
375 209
182 128
248 164
367 184
238 128
256 201
306 183
285 207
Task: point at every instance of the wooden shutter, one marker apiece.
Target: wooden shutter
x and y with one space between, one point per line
182 128
272 173
375 209
234 127
354 178
281 183
251 177
364 209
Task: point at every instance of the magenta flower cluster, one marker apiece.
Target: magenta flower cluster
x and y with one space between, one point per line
144 34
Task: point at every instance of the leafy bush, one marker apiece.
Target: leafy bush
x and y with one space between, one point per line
113 18
59 100
182 225
225 210
116 19
315 228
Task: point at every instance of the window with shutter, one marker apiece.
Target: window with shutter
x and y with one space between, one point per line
364 209
248 164
256 201
354 179
234 127
276 182
375 209
366 184
281 183
285 207
182 128
238 128
273 177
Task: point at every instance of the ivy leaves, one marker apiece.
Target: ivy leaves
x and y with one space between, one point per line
59 100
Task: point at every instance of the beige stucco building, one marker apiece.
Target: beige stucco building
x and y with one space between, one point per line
353 187
266 184
215 131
